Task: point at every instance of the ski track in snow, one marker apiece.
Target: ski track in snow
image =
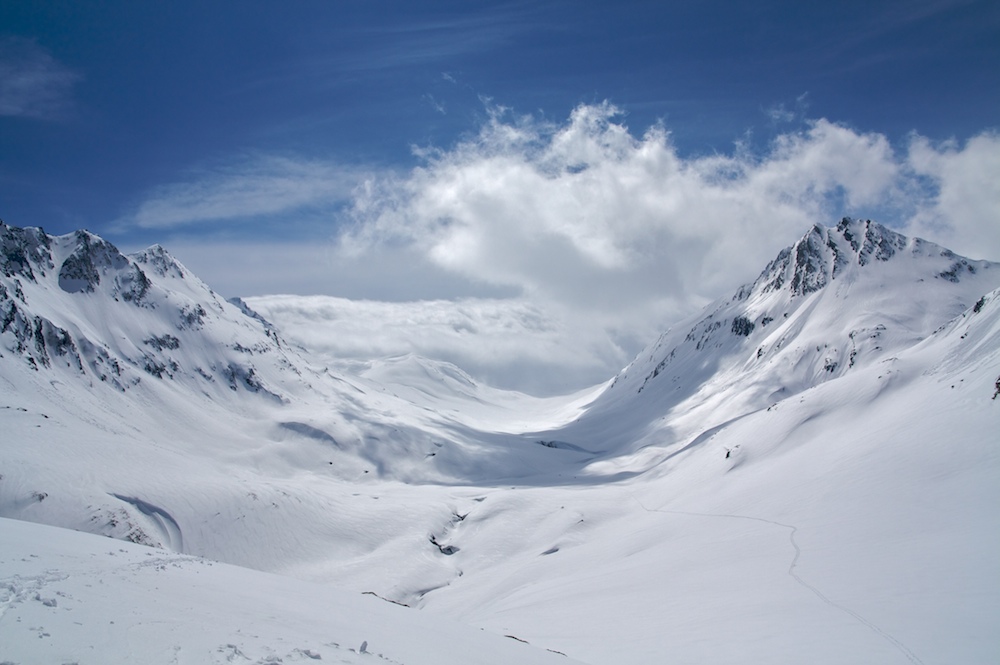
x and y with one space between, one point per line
792 530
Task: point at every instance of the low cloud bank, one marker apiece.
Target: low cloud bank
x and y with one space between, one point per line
506 343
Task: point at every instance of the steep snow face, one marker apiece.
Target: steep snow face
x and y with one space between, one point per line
838 300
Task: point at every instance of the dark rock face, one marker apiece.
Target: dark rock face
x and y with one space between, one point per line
81 271
36 338
43 277
823 254
809 273
742 326
24 251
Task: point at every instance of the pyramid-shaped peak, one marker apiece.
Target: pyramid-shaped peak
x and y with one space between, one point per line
825 254
160 261
91 255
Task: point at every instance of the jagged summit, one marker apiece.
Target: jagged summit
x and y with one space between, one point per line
839 299
22 251
77 303
824 254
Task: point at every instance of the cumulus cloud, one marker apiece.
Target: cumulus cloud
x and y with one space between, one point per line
249 188
33 84
559 210
963 208
615 235
590 213
565 247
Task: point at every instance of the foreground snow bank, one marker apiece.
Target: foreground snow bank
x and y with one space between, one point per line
72 597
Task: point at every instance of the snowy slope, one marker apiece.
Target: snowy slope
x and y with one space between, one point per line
73 307
854 523
839 300
818 487
71 597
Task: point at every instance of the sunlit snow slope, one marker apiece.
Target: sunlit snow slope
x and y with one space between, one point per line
70 597
807 471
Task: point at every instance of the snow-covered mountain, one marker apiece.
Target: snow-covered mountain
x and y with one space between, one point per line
804 472
75 310
76 302
839 300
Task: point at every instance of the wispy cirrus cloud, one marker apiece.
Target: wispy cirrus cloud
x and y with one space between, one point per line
364 52
33 84
246 188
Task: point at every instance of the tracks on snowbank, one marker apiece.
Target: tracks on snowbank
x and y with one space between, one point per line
792 530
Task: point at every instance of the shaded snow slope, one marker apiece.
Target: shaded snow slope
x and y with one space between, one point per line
818 487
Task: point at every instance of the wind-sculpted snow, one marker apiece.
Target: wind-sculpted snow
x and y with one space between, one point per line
803 472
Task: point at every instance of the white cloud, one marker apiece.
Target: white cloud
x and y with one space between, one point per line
541 255
508 343
611 233
964 209
254 187
33 84
235 266
587 212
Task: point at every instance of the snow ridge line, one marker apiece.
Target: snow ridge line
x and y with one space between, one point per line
792 530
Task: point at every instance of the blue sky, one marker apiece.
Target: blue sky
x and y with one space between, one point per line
555 153
141 93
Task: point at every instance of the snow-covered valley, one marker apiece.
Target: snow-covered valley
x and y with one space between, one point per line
806 471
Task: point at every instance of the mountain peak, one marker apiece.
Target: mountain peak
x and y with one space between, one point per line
870 240
824 254
841 298
76 301
91 256
160 261
22 251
